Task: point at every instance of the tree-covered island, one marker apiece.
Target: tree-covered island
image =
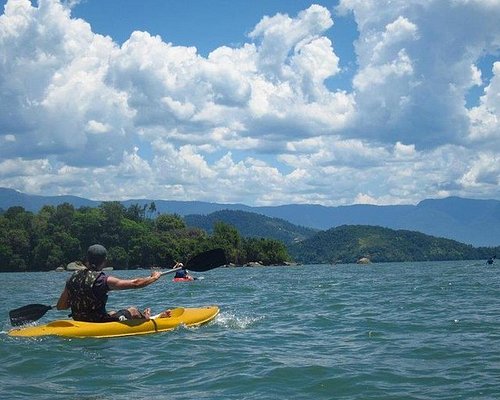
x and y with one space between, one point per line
134 236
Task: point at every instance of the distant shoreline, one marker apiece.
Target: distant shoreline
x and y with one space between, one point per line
474 263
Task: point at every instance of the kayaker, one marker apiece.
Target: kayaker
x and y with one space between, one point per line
182 273
86 291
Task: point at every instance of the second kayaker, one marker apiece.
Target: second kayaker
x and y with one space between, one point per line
182 273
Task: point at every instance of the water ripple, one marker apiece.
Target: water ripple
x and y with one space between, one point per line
391 331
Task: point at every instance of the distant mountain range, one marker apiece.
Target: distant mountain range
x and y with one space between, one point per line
475 222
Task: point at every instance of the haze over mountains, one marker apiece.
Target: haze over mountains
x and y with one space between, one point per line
475 222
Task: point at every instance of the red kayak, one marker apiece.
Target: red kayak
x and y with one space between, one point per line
186 279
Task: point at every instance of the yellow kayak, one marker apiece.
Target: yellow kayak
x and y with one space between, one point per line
77 329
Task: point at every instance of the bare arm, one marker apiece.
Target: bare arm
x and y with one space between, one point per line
63 302
122 284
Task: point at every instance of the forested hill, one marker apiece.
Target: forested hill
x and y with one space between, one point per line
347 244
252 225
471 221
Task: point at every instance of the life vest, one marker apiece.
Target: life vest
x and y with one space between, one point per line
85 304
180 273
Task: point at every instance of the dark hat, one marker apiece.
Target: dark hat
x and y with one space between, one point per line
96 254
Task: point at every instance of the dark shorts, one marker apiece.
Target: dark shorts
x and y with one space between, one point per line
121 313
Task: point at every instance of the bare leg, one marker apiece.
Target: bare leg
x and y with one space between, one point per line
146 314
163 314
136 314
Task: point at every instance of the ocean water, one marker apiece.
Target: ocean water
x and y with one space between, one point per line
383 331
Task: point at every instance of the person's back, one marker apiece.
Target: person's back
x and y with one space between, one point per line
88 296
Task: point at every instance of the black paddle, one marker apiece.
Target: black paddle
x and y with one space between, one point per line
200 263
203 262
29 313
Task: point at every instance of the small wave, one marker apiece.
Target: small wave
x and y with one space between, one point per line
232 321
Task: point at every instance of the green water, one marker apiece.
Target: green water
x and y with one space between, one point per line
385 331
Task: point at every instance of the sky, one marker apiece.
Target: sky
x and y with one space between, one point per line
263 102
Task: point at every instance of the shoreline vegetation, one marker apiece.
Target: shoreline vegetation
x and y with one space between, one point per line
136 237
140 237
78 265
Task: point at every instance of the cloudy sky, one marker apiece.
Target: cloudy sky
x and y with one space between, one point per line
260 102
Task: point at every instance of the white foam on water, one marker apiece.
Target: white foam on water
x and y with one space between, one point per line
233 321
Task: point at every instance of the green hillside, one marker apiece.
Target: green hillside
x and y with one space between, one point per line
347 244
252 225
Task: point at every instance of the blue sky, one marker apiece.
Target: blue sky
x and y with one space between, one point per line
256 102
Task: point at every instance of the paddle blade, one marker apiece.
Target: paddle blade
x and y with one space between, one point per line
29 313
207 260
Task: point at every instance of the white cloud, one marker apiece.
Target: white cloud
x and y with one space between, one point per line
363 198
399 32
16 166
97 127
258 123
402 151
53 84
417 62
485 118
281 35
380 75
485 171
